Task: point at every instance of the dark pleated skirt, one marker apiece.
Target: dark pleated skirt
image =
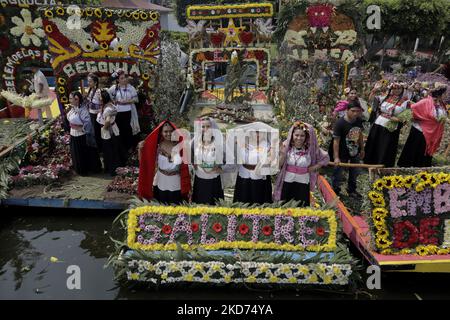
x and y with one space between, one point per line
207 191
126 133
381 146
253 191
167 197
97 131
85 159
296 191
413 153
112 154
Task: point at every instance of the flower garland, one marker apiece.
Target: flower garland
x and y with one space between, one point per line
272 228
249 10
165 272
420 188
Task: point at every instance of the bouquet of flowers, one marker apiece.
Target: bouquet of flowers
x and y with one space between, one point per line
404 117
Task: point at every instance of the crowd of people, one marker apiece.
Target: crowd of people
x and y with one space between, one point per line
104 123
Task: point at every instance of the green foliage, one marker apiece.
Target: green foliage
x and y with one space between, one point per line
179 37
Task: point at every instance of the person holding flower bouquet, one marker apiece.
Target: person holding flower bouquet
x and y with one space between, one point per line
83 148
382 142
300 160
113 156
163 175
429 117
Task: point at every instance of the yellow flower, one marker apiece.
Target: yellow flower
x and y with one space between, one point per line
388 182
48 13
144 16
98 12
189 277
61 81
108 13
304 269
382 233
199 267
154 16
443 251
383 243
273 279
387 252
432 249
251 279
216 267
54 259
164 276
60 11
420 187
206 278
135 276
89 12
61 89
378 185
292 280
136 15
312 279
408 181
422 250
227 278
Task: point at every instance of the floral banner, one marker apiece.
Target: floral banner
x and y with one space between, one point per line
101 40
200 57
214 228
249 10
411 214
321 33
22 41
244 272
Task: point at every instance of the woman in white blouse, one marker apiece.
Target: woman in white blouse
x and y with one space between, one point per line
300 160
93 103
125 96
208 161
83 149
253 182
381 146
110 134
162 173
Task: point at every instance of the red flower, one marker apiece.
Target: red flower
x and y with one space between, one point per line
289 212
167 229
243 229
194 227
320 231
267 230
217 227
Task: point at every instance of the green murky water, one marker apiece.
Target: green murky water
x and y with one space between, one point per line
79 237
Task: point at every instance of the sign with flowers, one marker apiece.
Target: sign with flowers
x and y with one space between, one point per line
321 33
411 213
215 228
200 57
22 40
101 40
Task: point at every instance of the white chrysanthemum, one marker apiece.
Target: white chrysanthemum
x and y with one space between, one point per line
31 31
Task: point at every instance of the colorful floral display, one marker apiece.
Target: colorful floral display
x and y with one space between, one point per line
244 272
321 33
101 40
200 57
161 228
126 180
410 213
249 10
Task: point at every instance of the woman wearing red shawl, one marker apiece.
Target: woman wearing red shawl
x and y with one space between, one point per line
429 116
300 160
162 174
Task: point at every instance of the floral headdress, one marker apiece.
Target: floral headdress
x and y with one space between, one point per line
304 127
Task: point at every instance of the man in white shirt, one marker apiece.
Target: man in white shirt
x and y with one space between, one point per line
41 89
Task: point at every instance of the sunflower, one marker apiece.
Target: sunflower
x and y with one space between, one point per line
389 182
108 13
154 16
443 177
144 15
422 175
421 250
378 185
136 15
383 243
104 46
60 11
420 187
405 251
381 211
408 181
61 90
432 249
398 181
120 48
48 28
373 195
387 252
443 251
48 13
379 203
61 81
382 234
145 76
89 12
64 99
128 14
98 12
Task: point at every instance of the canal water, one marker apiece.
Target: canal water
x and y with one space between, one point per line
38 245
